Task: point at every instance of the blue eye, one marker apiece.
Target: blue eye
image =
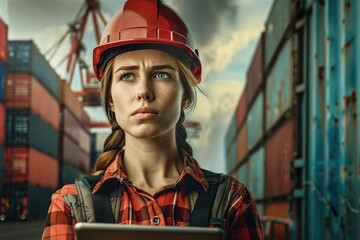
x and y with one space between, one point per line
127 77
161 75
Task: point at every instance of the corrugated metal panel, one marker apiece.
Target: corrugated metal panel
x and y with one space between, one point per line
85 118
84 140
279 86
241 110
2 82
243 173
39 201
231 132
43 169
231 157
71 101
275 27
15 165
71 125
3 41
255 71
71 151
69 173
257 174
254 121
24 128
280 210
2 123
24 57
18 91
279 154
242 143
45 105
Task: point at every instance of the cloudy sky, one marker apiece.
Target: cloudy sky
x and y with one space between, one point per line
226 33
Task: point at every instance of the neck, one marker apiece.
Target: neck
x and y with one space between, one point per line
150 163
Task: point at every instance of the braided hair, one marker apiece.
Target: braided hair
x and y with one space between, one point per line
116 140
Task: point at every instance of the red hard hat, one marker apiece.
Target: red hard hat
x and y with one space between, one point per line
146 24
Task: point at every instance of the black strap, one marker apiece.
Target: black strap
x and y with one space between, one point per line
102 208
201 213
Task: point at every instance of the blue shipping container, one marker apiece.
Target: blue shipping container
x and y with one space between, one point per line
69 174
242 174
25 57
279 86
257 174
254 121
2 82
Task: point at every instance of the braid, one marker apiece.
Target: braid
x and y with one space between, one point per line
181 135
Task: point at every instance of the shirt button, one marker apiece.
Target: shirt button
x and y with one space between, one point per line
156 220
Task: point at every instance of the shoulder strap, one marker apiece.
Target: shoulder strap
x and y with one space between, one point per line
201 213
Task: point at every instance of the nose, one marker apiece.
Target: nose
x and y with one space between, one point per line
145 91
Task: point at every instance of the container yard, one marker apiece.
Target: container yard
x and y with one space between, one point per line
297 126
292 137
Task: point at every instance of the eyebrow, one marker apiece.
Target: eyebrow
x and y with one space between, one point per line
156 67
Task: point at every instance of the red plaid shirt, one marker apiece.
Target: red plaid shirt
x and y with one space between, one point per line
171 205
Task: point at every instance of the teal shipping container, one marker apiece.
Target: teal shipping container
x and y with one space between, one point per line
257 173
231 155
2 82
25 57
276 27
254 121
69 174
279 86
230 143
243 173
38 202
24 128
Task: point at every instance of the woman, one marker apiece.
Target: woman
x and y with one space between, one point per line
149 70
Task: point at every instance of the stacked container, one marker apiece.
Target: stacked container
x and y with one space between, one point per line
32 124
75 138
3 63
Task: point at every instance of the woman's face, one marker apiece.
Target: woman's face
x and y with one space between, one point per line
146 93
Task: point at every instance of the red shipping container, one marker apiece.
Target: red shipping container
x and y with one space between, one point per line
43 169
84 140
2 123
255 71
85 119
241 110
3 41
241 142
71 100
279 155
84 160
15 165
25 91
71 152
280 210
71 125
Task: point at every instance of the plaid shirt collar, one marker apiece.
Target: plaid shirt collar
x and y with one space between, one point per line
116 170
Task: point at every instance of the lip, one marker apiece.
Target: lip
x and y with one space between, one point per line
144 113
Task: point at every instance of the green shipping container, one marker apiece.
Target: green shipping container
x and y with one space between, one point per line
38 202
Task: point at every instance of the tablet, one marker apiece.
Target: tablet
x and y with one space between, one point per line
92 231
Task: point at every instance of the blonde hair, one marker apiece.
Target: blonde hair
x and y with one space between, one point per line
116 140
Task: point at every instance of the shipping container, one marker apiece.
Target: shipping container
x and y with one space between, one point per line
43 170
2 82
279 210
243 173
71 152
279 95
39 199
84 162
25 91
15 165
71 101
25 57
277 25
71 125
69 174
241 110
1 168
231 158
231 132
84 140
3 41
242 146
256 175
24 128
279 156
254 121
2 123
255 72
